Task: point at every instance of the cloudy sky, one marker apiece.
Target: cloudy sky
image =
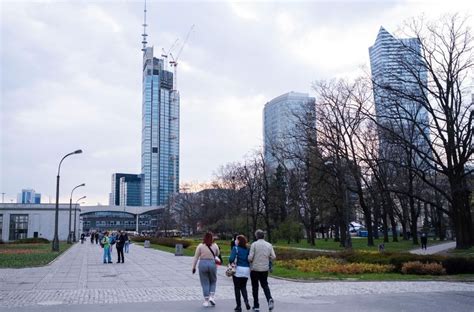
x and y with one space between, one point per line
71 78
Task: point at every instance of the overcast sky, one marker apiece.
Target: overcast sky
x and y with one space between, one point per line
71 78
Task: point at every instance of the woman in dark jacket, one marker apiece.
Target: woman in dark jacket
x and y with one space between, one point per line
242 273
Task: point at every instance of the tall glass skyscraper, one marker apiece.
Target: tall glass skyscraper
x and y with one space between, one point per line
397 65
280 117
160 132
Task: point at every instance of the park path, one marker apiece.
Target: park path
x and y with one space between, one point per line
79 277
433 249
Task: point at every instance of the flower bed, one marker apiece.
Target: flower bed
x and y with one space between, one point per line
360 260
323 264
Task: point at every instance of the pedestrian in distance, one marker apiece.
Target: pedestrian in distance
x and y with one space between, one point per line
424 240
260 255
232 242
239 254
92 237
99 237
83 236
105 242
207 253
127 242
119 243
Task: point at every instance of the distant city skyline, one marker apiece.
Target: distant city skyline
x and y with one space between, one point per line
70 79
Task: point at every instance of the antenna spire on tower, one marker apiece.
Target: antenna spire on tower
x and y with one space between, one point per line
144 35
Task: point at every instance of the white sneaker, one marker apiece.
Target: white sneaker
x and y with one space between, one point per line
212 301
271 304
205 303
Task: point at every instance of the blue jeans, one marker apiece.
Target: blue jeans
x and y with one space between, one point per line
107 255
208 276
126 246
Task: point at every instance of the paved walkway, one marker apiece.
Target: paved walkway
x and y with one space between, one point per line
148 275
433 249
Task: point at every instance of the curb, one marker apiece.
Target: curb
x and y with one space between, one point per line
59 256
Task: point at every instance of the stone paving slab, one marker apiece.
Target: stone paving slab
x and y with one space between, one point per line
79 277
407 302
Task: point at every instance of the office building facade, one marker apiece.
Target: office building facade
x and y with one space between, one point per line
131 191
280 119
28 196
397 65
126 189
160 132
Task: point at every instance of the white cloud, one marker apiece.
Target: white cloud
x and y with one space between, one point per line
100 16
244 10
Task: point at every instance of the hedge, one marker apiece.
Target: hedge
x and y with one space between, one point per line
419 268
32 240
458 265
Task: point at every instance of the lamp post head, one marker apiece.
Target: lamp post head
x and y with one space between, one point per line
83 184
79 151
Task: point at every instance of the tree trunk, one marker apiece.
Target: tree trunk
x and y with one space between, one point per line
370 229
404 231
391 215
461 209
337 237
376 218
414 222
385 224
342 233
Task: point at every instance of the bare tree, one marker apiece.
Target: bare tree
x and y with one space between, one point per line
437 85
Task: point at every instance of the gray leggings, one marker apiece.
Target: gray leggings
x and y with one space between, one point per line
208 276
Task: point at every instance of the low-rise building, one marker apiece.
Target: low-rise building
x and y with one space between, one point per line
18 221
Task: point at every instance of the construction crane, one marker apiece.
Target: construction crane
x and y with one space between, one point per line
174 60
164 54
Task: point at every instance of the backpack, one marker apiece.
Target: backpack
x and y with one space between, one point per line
102 242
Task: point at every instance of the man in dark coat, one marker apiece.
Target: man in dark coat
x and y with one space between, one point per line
119 243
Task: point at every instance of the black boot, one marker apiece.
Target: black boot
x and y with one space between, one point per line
247 305
238 309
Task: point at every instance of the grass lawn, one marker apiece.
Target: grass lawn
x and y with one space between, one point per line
358 243
186 251
28 255
224 247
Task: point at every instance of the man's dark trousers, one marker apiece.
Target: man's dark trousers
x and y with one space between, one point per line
261 277
120 254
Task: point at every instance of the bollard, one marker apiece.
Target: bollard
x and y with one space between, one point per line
178 250
146 244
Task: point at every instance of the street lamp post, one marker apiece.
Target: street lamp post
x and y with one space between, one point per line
75 219
55 245
69 238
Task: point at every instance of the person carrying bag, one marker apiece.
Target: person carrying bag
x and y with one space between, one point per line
208 254
239 256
